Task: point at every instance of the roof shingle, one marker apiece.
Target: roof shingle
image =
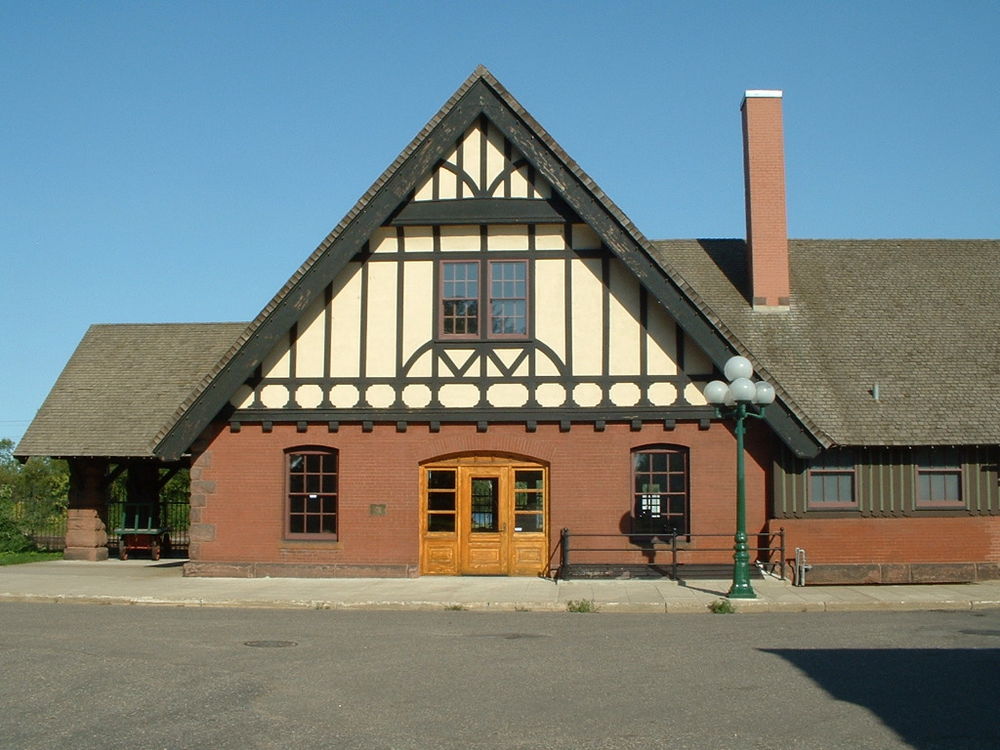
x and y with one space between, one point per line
121 385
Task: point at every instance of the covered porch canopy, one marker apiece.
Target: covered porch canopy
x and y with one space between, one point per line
121 388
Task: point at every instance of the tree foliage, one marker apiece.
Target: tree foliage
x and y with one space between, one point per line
33 495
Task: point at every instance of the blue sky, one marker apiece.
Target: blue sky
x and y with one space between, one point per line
177 161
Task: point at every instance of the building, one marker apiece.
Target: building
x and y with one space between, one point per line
486 351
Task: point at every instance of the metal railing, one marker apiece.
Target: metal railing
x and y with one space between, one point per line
769 545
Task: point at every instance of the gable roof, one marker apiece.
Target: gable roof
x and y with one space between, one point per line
480 95
916 317
121 385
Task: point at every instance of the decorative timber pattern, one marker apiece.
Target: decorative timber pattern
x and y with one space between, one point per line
588 341
482 165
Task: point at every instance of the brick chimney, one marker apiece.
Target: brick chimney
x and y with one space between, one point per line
764 173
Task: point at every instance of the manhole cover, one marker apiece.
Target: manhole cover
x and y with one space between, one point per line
270 644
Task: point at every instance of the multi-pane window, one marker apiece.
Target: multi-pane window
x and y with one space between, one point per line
831 480
460 298
508 298
502 294
441 500
939 477
660 490
312 492
529 500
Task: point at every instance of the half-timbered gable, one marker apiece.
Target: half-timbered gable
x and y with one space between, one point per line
483 277
484 297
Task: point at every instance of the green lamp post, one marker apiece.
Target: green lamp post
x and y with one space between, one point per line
738 399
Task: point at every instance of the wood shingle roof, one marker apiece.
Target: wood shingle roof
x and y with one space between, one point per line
917 318
121 385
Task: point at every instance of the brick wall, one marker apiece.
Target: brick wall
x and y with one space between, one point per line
238 488
896 550
764 181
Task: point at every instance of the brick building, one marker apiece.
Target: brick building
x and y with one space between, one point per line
486 351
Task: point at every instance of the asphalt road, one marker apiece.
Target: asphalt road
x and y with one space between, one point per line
88 676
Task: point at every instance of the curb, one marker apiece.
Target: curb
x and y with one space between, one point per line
756 606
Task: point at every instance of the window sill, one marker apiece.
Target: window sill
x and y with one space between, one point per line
481 340
310 543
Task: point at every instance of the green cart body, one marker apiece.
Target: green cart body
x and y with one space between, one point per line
141 530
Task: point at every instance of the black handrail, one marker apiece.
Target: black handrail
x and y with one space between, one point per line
652 544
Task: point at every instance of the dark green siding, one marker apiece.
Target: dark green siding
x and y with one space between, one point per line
885 483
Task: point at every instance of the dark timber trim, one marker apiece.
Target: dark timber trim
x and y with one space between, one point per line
480 96
483 211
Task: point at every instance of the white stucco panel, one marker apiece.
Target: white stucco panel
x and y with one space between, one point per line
507 395
458 395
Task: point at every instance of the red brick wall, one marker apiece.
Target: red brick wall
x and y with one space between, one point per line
238 486
893 540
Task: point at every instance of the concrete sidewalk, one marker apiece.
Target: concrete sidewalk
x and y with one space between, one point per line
161 583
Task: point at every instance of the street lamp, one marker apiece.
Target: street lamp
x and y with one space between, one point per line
740 398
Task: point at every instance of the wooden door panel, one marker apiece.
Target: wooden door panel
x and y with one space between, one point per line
527 556
440 557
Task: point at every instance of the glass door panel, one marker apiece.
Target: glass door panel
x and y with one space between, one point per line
484 505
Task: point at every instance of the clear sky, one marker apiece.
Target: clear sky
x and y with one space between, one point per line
177 161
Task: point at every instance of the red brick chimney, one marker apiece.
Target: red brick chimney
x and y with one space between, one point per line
764 172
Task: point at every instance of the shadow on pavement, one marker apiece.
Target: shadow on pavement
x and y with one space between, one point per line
934 699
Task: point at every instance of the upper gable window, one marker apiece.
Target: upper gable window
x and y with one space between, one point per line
484 299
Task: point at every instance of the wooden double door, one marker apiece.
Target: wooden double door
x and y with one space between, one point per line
484 515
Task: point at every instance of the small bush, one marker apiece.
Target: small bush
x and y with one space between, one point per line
583 605
12 539
722 607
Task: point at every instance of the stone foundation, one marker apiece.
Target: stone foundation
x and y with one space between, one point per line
890 573
295 570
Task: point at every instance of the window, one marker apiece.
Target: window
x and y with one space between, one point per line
660 490
939 477
441 500
312 492
460 299
831 481
505 303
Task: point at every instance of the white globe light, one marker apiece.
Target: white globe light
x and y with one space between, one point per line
743 389
765 393
715 392
738 367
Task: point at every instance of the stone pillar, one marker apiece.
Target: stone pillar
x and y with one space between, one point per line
86 531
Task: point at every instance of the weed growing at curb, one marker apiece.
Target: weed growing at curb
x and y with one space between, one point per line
722 607
582 605
456 607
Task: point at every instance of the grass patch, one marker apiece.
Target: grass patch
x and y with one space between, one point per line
581 605
722 607
17 558
456 608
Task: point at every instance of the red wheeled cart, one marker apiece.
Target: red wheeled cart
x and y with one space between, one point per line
141 530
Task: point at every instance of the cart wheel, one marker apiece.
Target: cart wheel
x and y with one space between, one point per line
154 549
167 548
122 550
